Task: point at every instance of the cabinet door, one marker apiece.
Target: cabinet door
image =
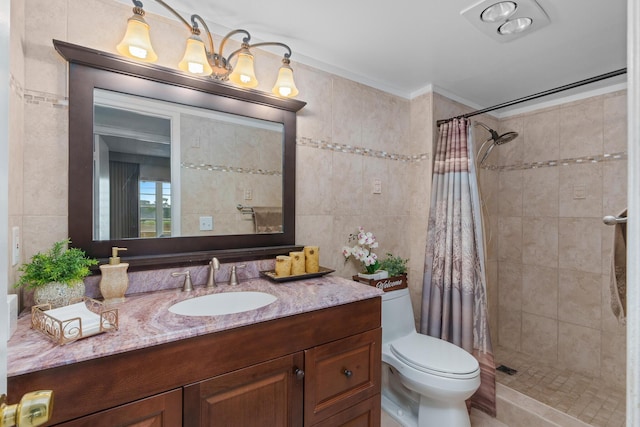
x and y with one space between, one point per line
341 374
267 394
162 410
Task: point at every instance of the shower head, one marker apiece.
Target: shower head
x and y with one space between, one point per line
499 139
496 139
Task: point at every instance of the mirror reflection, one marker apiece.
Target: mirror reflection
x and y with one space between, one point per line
171 170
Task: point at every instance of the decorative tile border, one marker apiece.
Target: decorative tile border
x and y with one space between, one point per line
362 151
608 157
36 97
220 168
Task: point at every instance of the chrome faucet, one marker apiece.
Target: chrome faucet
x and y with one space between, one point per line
214 266
233 279
188 286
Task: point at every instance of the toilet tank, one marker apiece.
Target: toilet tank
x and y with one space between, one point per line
397 315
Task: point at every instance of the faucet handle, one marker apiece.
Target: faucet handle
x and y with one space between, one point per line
188 286
214 265
233 279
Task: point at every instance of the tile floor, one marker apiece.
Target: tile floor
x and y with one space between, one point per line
575 394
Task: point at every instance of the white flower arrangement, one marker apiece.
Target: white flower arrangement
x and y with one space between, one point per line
362 251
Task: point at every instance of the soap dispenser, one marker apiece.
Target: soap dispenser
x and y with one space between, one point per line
114 281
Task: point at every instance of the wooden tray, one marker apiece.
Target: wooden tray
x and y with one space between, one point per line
271 274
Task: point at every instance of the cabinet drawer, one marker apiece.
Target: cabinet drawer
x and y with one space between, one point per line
364 414
341 374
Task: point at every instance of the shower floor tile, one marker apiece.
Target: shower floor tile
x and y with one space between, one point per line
576 394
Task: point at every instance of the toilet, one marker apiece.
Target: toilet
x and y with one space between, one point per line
425 380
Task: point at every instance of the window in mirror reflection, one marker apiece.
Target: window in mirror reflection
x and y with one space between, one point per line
155 209
171 170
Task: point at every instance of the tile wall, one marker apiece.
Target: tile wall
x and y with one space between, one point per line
348 135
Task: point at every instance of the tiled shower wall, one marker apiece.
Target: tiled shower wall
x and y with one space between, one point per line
552 265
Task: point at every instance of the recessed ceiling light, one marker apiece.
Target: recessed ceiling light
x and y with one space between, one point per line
498 11
515 26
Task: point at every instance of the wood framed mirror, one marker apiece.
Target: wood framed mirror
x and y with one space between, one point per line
172 166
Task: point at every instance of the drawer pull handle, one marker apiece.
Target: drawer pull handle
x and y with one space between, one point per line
299 373
347 373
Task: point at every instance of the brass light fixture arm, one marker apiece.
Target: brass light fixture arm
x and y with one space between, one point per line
245 41
286 55
206 28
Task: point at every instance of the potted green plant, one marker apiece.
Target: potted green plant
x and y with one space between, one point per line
395 265
56 276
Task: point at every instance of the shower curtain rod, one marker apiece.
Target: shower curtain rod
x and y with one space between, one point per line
539 94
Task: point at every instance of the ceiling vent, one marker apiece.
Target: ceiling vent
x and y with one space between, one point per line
506 20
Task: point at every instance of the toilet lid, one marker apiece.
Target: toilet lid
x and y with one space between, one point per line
435 356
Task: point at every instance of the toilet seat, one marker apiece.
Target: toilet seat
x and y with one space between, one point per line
435 356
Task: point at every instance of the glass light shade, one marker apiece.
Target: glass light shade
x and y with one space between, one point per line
243 73
285 86
498 11
515 26
136 42
195 60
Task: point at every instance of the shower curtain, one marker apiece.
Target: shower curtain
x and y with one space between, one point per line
454 303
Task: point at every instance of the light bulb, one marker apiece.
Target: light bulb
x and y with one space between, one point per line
136 42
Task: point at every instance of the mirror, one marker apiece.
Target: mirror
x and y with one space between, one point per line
197 158
171 170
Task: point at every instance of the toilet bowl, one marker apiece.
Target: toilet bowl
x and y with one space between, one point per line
425 380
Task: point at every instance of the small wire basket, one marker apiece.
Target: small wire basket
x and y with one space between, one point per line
79 321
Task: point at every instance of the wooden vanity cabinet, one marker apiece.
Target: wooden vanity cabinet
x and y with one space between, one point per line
319 368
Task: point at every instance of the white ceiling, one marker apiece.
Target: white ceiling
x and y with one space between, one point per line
407 47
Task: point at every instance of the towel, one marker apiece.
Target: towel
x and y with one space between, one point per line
267 219
618 282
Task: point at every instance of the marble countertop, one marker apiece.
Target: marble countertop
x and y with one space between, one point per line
145 320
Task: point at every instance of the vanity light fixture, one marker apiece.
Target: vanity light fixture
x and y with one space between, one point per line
201 59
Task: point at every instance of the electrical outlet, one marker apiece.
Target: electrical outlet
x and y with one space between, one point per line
206 223
15 245
248 194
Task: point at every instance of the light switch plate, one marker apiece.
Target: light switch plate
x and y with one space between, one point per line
377 186
579 192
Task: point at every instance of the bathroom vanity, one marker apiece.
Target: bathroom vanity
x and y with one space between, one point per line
311 358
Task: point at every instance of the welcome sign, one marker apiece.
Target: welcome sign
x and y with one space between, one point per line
388 284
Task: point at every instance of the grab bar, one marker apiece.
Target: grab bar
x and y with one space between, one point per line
613 220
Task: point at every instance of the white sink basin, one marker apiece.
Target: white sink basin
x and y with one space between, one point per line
223 303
